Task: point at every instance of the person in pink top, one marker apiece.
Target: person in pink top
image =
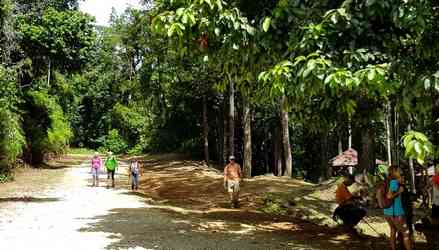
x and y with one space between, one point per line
96 164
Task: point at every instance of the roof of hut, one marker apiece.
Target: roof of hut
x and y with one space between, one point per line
347 158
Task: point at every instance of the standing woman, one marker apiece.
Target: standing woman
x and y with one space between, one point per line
96 164
134 174
395 214
111 166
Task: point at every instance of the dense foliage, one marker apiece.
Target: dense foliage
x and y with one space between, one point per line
283 85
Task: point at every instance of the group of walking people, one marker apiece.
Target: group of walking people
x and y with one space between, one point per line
398 212
232 174
110 165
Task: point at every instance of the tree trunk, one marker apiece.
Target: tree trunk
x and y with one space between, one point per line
340 145
350 135
325 168
286 137
388 133
225 133
247 141
7 33
277 151
411 169
48 73
366 159
397 159
219 137
231 117
205 131
265 148
340 134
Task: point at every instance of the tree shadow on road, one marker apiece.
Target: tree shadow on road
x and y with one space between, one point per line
151 228
29 199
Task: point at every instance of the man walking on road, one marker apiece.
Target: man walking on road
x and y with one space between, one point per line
232 177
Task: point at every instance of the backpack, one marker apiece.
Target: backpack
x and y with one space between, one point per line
383 201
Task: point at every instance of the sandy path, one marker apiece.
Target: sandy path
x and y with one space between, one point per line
61 211
60 203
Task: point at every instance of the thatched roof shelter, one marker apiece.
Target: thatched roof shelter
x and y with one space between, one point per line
348 158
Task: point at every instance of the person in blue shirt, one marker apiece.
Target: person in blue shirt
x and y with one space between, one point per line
395 215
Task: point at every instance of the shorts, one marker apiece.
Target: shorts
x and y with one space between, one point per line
110 173
233 186
435 212
350 214
398 222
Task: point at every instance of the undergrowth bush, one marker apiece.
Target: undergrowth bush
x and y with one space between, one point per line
12 138
59 132
6 177
113 142
276 204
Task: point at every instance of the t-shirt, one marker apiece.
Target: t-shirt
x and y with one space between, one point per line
96 162
342 194
396 208
232 172
435 191
134 167
111 163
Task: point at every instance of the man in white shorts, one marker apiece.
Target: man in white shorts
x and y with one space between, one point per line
232 177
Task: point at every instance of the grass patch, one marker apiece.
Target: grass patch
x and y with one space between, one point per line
274 203
6 177
80 151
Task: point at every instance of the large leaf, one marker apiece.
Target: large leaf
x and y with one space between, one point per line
266 24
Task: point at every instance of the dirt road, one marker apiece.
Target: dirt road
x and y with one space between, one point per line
58 209
47 209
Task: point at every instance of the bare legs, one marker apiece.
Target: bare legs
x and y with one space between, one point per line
393 233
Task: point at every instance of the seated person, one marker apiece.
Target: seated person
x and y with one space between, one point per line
348 210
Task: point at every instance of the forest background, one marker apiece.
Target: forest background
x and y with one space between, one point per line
283 85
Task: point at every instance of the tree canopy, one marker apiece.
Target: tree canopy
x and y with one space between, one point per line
283 85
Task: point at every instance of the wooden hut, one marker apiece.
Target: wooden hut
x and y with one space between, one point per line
346 162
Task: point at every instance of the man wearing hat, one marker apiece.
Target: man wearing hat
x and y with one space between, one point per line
232 177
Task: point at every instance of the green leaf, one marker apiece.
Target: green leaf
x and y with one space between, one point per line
420 136
286 63
185 18
210 4
266 24
180 11
219 3
409 148
328 78
418 148
371 74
